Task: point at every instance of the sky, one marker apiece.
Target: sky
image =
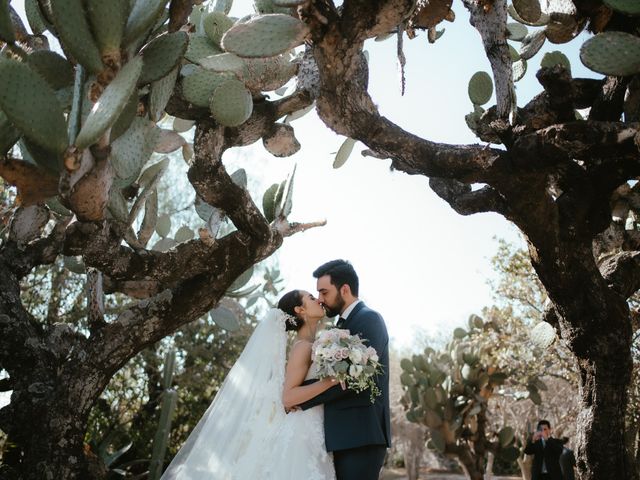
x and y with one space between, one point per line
421 265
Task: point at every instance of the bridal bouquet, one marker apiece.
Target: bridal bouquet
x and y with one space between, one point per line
339 354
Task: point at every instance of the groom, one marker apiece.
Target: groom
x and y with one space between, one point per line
356 431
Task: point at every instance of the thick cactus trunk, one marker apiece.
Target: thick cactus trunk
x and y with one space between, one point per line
601 423
53 448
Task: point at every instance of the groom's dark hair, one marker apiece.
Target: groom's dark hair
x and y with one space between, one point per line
341 273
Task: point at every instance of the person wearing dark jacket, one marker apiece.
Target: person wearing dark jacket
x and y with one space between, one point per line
546 452
357 431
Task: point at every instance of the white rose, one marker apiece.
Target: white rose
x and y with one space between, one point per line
355 356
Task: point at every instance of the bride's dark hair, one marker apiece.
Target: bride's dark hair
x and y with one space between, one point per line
287 303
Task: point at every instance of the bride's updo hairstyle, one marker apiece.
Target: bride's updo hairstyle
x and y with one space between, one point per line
287 304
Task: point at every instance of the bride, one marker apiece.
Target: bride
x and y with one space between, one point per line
245 433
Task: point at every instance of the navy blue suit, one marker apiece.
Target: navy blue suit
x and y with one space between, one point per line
356 430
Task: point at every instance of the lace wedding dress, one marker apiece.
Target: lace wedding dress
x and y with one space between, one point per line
245 433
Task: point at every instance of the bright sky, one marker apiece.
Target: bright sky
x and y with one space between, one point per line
420 263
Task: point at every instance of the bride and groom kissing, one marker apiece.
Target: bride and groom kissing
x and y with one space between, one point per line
273 419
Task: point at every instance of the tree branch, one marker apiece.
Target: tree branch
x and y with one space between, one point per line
465 201
622 272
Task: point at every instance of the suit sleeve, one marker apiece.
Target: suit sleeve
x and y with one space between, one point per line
530 449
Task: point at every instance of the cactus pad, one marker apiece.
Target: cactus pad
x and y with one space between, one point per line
6 28
344 152
543 334
480 88
223 62
162 55
225 318
528 10
8 134
144 14
31 105
108 19
231 103
551 59
34 17
519 69
198 87
200 47
267 74
74 33
265 36
612 53
516 32
111 103
281 142
130 152
542 20
215 24
161 92
55 69
629 7
288 3
531 44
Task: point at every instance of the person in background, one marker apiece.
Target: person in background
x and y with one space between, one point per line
546 452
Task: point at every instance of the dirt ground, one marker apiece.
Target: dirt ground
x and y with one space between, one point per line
400 474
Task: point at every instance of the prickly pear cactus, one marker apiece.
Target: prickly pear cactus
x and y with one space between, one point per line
448 392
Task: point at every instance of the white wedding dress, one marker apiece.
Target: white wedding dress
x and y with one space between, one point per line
245 433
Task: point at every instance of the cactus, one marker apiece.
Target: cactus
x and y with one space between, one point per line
169 401
198 87
163 225
265 36
542 20
543 335
125 118
269 202
528 10
454 405
267 74
516 32
130 152
143 16
55 69
550 59
215 24
162 55
480 88
612 53
107 22
34 17
31 106
344 152
74 33
6 28
225 318
8 134
223 62
628 7
113 100
531 44
231 103
161 92
281 141
200 47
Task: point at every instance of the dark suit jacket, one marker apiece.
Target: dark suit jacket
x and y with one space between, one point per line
350 419
550 453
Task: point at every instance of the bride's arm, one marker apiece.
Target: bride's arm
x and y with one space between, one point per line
294 393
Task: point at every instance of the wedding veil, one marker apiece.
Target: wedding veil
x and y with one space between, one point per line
229 438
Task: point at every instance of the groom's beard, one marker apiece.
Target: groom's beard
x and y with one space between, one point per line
333 310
